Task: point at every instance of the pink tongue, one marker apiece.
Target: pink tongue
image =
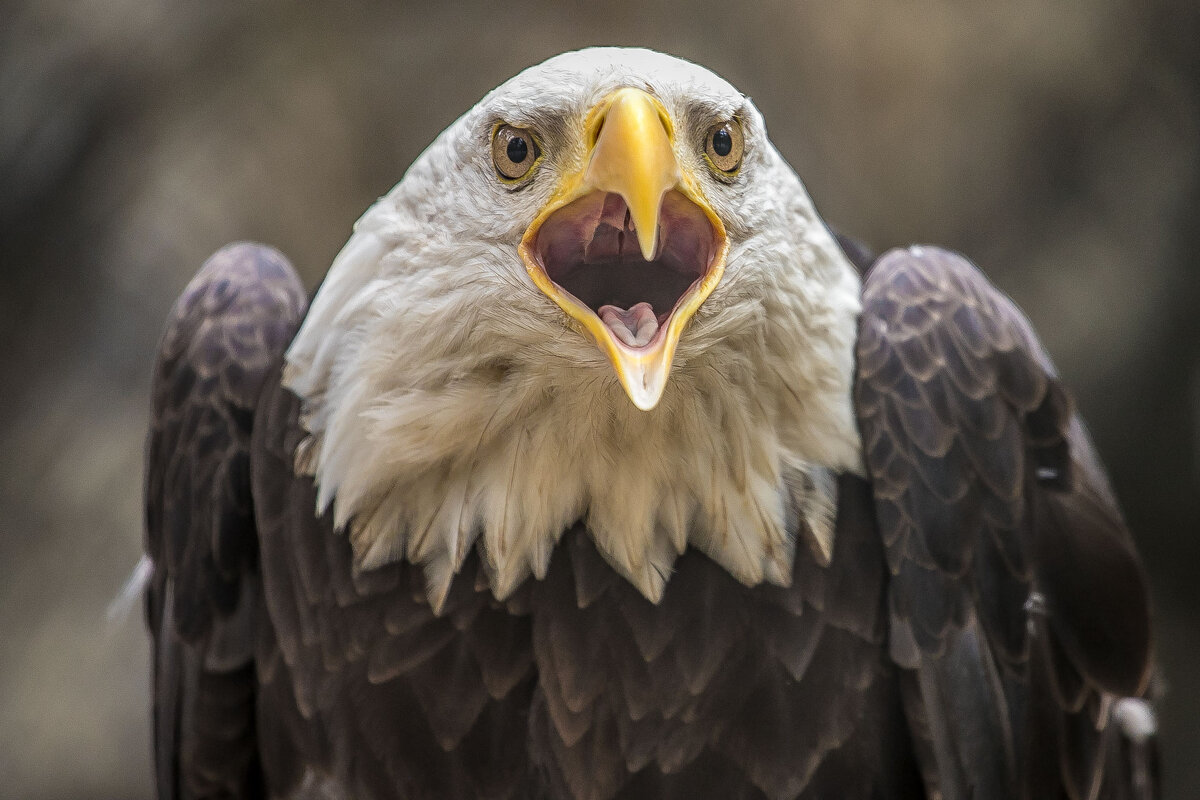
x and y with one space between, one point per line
635 327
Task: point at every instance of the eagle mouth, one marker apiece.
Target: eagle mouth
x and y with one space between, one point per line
589 249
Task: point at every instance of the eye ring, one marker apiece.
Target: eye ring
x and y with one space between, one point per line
724 145
515 152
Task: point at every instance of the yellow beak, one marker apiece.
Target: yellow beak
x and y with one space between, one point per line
631 155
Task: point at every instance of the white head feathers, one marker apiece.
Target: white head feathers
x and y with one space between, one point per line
450 405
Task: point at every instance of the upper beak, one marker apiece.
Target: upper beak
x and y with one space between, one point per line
632 155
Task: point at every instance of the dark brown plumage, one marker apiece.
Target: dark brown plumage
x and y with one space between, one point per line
982 606
1016 593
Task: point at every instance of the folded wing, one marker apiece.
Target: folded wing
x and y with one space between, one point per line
1016 594
223 337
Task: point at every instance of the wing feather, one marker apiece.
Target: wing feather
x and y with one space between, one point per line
1015 584
222 338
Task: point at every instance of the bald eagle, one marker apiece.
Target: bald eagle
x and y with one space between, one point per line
596 468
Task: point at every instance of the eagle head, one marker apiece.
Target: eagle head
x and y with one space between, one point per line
601 295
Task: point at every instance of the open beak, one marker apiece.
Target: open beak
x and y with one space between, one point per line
628 247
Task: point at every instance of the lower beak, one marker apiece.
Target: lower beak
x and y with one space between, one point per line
632 156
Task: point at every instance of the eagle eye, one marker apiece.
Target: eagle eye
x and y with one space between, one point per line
723 145
515 152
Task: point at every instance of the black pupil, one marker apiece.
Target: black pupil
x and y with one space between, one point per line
722 143
518 150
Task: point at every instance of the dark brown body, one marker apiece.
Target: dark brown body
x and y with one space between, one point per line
957 644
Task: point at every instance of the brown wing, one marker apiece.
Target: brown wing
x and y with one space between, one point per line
1016 592
224 334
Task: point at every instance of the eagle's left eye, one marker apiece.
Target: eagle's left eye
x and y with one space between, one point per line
723 145
514 152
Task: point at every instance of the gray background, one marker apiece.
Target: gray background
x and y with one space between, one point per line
1058 144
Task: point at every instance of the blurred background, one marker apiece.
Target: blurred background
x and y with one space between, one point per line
1058 144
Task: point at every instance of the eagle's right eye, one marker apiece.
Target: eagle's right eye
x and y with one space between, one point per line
515 152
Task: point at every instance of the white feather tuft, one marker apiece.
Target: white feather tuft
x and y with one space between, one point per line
135 586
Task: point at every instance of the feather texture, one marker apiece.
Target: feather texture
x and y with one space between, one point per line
1015 592
576 685
204 600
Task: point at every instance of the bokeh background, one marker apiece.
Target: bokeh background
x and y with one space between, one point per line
1058 144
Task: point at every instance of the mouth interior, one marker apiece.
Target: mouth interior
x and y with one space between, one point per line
590 249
